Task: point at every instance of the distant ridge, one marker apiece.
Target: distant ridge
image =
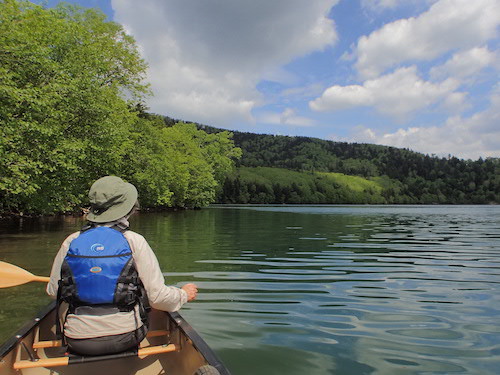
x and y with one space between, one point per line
404 176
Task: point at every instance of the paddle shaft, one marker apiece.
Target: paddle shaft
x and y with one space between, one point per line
42 279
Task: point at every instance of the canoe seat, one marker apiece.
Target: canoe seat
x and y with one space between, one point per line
75 359
58 343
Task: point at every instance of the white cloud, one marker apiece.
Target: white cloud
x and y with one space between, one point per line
343 97
206 57
398 94
468 138
466 63
456 102
287 117
447 25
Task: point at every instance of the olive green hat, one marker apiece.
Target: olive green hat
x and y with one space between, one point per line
111 198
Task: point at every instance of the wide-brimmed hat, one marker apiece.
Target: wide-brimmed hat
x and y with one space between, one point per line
111 198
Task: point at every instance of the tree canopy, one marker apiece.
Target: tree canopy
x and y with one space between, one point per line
72 88
177 165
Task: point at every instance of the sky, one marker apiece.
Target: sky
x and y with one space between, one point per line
417 74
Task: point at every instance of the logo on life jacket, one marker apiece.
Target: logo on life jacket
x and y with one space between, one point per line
97 247
96 269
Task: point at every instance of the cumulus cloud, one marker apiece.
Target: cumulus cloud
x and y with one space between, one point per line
469 138
447 25
455 102
206 57
398 94
465 63
287 117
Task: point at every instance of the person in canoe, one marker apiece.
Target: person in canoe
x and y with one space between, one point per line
108 275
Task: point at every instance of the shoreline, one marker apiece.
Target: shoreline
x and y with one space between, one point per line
82 213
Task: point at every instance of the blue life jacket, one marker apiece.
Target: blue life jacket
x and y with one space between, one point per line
99 271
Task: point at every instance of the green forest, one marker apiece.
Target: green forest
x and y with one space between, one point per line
284 169
73 93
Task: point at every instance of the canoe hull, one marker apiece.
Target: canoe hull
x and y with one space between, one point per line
187 350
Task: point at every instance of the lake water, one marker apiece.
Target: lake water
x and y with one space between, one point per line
314 289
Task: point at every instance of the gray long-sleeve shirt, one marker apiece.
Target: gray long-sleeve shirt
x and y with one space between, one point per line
160 296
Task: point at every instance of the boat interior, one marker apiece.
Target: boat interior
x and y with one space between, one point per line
167 349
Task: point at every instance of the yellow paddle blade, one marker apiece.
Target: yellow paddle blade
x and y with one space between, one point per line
11 275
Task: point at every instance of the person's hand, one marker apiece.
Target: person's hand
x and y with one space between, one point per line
191 290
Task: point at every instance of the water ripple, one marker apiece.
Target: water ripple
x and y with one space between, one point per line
394 294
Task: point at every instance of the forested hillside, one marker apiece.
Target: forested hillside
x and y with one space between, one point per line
409 177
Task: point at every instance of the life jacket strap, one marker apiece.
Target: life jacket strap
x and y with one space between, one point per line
59 325
98 310
120 227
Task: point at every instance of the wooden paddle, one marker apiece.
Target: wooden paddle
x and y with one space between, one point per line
11 275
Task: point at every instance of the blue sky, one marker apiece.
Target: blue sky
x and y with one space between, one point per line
419 74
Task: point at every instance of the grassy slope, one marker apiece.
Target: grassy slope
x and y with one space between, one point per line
355 183
340 188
